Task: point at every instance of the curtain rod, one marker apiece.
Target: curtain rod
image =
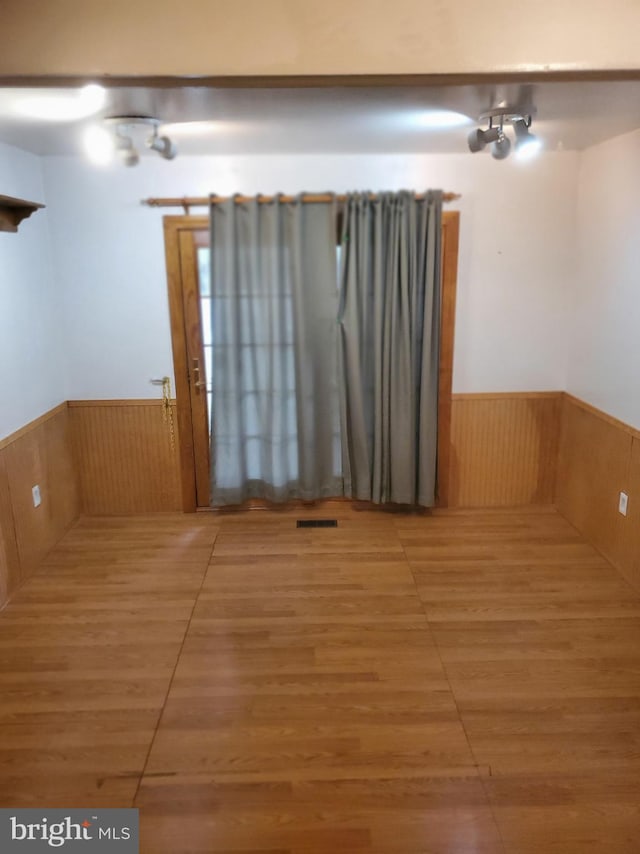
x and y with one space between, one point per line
204 201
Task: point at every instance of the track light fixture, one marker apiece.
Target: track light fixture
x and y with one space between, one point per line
501 148
478 139
126 149
127 133
494 136
163 145
526 144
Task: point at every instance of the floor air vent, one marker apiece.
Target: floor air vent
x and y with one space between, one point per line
317 523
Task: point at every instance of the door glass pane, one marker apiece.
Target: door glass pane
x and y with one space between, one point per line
205 314
204 282
204 275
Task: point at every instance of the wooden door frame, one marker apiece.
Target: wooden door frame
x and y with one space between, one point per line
174 226
449 284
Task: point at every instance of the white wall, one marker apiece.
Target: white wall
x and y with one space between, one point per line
103 324
604 350
31 362
515 257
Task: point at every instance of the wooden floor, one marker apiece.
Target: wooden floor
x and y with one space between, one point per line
467 683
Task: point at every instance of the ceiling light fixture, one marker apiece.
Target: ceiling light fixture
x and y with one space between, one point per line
479 139
162 144
526 144
124 135
126 149
501 148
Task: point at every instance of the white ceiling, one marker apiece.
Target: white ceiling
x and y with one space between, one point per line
348 119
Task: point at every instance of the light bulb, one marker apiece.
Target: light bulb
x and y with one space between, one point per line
528 148
99 145
442 119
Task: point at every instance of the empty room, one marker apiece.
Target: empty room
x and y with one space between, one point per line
320 428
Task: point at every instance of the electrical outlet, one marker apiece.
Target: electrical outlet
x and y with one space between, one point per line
622 504
37 498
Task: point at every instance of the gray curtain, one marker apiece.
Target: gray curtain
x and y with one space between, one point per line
275 405
389 346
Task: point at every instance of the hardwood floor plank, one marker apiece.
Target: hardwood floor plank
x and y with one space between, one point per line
317 646
540 640
462 682
87 652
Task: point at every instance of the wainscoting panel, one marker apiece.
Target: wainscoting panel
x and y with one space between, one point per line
630 547
504 448
39 453
599 457
124 457
9 558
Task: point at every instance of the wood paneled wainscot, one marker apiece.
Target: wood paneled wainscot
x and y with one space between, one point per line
126 460
503 453
39 453
504 448
599 458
